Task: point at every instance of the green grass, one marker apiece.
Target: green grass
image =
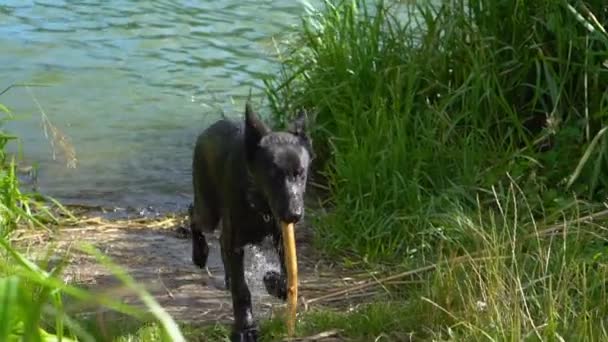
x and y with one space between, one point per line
520 282
460 135
152 332
373 322
15 206
416 115
508 279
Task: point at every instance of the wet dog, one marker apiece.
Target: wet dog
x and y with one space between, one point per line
251 178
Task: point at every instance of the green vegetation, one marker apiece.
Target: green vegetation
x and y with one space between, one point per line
390 321
15 207
469 135
420 117
153 332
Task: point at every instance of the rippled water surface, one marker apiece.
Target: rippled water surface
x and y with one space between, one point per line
131 83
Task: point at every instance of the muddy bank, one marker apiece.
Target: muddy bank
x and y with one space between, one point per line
156 252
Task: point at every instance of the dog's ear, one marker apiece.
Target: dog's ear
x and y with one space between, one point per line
298 128
298 125
255 129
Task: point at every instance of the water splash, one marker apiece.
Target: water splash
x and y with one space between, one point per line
259 260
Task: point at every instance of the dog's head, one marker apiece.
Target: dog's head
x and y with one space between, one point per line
279 163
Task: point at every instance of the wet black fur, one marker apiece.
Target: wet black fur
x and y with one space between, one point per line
250 178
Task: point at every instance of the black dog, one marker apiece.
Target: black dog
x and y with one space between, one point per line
252 179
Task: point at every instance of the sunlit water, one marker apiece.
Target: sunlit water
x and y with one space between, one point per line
131 83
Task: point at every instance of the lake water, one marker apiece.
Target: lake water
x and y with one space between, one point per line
131 83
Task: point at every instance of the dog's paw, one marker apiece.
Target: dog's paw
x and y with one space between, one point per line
276 284
200 251
249 335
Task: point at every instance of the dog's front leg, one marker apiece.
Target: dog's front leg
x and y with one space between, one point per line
276 283
200 249
225 247
244 329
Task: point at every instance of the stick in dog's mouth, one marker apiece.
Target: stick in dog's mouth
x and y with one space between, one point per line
291 263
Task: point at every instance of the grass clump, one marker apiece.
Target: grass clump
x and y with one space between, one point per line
391 321
518 280
508 279
429 120
16 207
419 107
152 332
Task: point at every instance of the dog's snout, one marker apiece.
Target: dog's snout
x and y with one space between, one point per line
293 213
293 216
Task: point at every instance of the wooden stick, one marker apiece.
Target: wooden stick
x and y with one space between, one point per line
291 263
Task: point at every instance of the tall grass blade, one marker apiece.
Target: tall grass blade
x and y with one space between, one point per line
171 331
585 157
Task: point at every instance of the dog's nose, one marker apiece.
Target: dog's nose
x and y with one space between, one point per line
293 216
